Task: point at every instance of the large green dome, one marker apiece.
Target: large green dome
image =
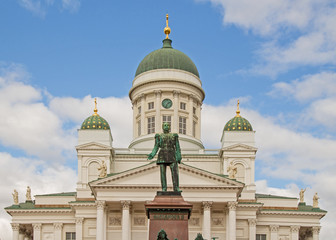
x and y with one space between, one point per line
95 122
167 58
238 123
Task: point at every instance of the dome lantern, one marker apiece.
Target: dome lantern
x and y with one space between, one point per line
95 121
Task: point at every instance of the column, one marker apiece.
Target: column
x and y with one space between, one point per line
207 220
15 228
274 232
22 233
252 228
232 220
58 231
79 228
158 125
295 232
37 231
191 116
227 223
142 117
316 233
125 220
176 107
100 220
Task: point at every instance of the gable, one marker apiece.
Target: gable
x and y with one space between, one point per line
93 146
149 176
239 147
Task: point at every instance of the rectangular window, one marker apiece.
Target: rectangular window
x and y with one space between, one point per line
194 129
150 105
139 110
70 236
167 119
151 125
139 127
182 125
261 237
182 105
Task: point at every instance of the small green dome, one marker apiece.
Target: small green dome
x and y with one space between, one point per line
167 58
95 122
238 123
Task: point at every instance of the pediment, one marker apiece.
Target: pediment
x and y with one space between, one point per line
148 176
93 146
239 147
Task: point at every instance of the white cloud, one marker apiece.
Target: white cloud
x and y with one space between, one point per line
40 8
33 6
71 5
296 32
18 173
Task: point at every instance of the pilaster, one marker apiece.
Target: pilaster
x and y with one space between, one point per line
295 232
37 231
58 231
79 228
158 111
15 228
207 219
175 119
252 228
274 232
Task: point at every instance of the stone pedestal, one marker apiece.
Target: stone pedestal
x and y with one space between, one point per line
168 211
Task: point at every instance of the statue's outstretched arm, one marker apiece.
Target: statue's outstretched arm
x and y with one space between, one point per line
156 147
178 155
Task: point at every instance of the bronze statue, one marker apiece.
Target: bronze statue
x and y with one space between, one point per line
169 155
162 235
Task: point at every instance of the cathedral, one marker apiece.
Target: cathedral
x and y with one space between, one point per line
114 184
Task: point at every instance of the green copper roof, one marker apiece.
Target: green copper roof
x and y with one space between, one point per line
238 123
95 122
260 195
167 58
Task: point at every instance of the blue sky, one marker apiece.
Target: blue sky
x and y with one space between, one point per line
277 57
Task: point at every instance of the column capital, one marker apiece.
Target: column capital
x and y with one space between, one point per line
157 93
316 230
232 206
207 205
274 228
58 226
37 226
79 220
15 226
125 204
294 229
100 204
252 222
176 93
191 96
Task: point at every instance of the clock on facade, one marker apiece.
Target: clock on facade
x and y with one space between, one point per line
167 103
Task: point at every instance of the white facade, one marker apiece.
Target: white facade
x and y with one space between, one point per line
112 207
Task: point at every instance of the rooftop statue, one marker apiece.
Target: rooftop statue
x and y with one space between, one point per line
315 201
302 191
15 197
169 155
28 194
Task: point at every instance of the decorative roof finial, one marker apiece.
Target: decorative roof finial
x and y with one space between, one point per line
95 109
238 111
167 29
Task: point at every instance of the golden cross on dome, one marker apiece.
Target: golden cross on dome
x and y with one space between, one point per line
238 111
95 109
167 28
